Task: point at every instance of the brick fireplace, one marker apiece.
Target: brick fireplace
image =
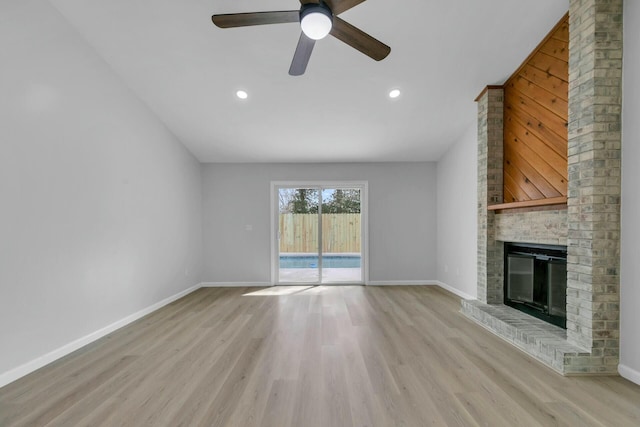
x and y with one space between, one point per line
589 225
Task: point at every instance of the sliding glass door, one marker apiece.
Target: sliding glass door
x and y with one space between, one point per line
341 235
299 259
319 236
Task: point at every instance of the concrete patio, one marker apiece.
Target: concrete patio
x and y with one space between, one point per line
329 275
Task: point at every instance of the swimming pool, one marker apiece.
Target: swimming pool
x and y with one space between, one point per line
311 261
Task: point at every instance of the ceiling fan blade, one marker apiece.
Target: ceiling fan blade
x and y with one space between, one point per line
339 6
358 39
231 20
302 55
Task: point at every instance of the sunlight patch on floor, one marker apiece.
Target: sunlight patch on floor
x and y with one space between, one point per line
278 291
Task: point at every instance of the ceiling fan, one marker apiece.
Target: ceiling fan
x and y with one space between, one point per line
317 18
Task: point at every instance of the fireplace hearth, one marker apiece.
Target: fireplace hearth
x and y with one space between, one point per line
536 281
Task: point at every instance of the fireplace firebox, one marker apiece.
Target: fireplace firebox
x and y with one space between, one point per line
536 281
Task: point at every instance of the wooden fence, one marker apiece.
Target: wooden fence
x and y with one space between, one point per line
340 233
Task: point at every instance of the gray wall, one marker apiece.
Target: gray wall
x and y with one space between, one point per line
100 205
402 217
630 267
457 215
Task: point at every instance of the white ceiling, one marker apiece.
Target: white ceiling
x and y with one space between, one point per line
187 71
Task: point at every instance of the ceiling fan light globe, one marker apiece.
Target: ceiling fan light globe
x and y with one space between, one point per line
316 22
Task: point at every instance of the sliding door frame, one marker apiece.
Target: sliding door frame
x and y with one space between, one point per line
363 186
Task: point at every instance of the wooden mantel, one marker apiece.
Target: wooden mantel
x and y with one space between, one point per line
560 202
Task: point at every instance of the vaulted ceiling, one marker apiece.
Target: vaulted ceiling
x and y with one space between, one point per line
187 72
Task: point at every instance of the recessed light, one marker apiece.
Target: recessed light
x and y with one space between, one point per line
394 93
242 94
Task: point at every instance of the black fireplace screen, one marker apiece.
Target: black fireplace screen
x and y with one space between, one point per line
536 280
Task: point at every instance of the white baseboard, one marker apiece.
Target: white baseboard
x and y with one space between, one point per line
443 285
402 283
629 373
235 284
27 368
455 291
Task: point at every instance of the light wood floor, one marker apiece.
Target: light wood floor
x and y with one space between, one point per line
321 356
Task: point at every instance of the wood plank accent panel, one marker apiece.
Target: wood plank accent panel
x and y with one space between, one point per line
546 81
535 122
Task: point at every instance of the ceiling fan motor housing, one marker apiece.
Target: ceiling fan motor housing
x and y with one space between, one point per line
316 20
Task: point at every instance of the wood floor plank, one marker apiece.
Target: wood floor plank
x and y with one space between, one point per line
49 409
318 356
482 409
571 415
506 393
279 408
421 409
308 402
221 408
335 391
251 403
365 410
